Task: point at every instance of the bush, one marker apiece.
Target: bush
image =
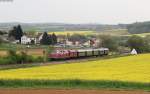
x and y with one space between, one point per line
21 58
14 58
9 60
11 52
29 59
39 59
4 61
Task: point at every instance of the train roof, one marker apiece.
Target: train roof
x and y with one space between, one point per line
100 49
83 50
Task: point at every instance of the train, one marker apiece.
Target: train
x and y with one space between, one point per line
79 53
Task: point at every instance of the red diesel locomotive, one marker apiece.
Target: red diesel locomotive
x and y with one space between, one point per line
68 54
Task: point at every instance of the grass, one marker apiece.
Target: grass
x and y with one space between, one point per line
72 84
130 72
34 50
7 46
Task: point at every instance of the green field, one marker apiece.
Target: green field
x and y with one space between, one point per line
123 72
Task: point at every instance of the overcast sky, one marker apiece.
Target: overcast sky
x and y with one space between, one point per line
75 11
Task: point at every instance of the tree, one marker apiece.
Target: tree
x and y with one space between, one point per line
12 33
108 42
3 32
147 39
54 39
46 39
19 33
1 41
138 43
50 39
78 37
16 32
139 27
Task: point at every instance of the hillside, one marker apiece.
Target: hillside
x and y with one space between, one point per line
42 27
139 27
130 69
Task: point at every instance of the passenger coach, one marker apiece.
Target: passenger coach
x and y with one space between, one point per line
68 54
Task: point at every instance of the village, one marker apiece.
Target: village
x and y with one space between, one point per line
16 36
44 38
62 42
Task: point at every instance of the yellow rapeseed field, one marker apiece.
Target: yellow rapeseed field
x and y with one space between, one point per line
130 68
73 32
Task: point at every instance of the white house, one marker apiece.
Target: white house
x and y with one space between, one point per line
39 37
77 43
134 52
69 43
87 43
93 42
96 43
27 40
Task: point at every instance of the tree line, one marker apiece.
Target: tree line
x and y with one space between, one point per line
141 44
16 33
139 27
48 39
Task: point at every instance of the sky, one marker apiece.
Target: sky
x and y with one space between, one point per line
75 11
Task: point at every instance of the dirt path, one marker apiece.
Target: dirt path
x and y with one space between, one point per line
76 91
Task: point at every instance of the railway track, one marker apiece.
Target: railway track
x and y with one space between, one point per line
79 60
